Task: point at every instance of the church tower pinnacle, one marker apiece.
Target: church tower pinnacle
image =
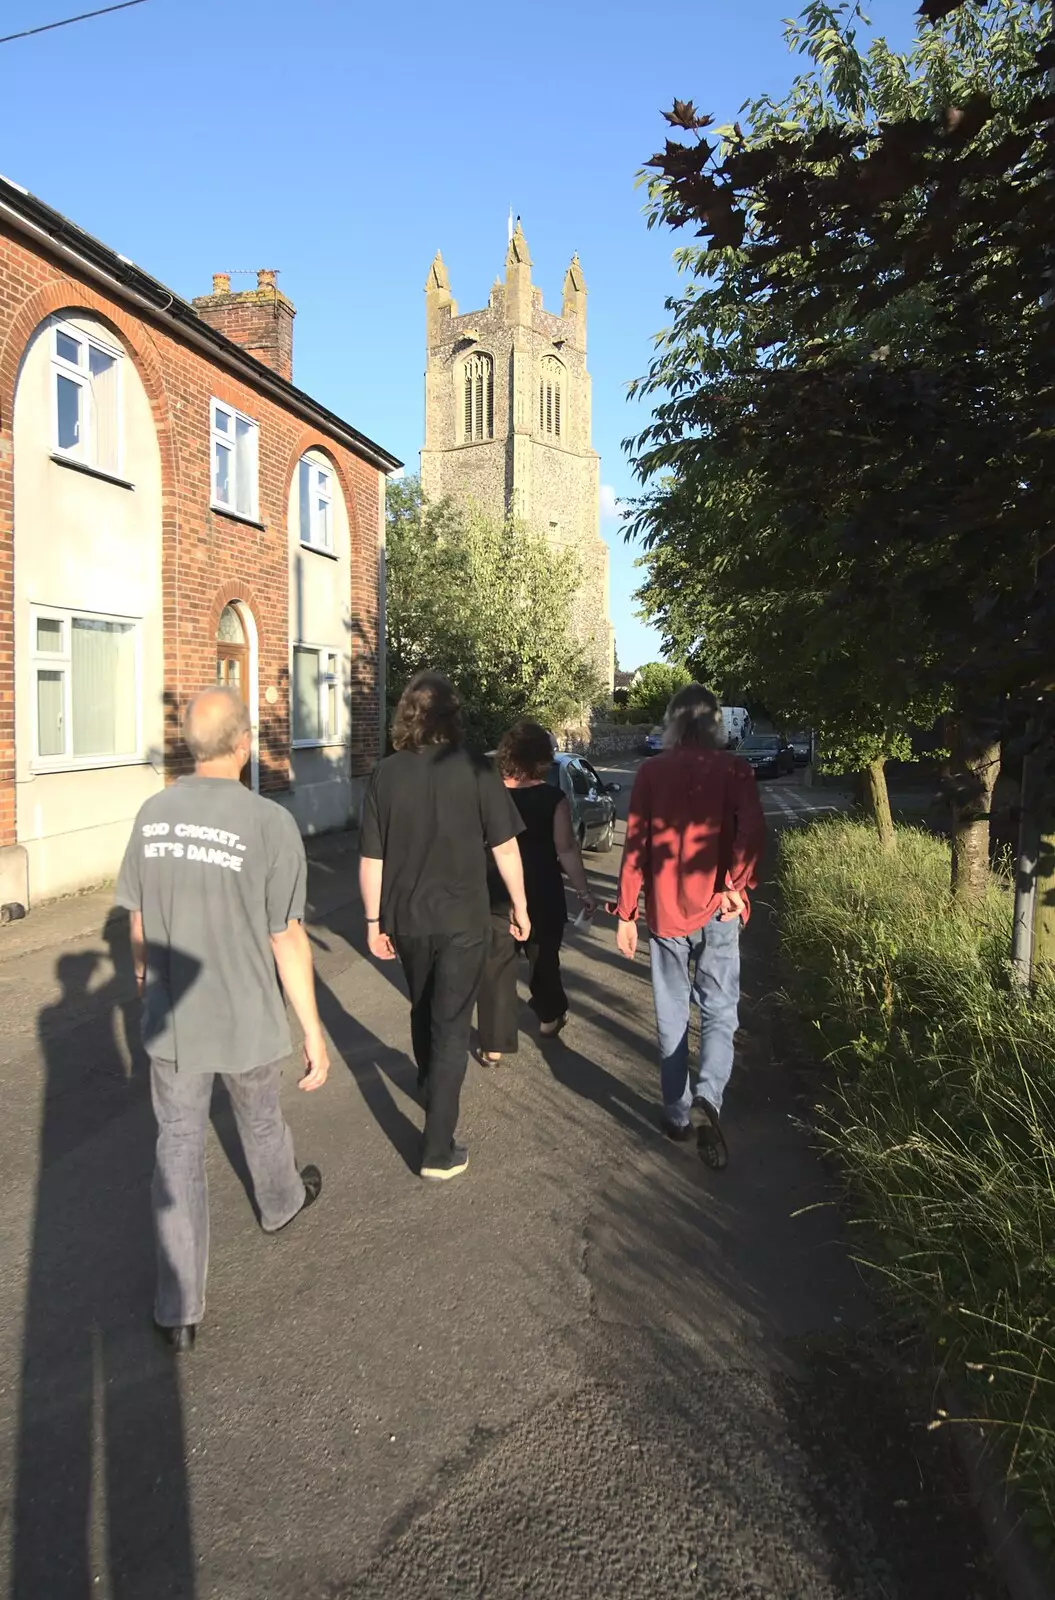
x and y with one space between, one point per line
439 302
518 280
573 308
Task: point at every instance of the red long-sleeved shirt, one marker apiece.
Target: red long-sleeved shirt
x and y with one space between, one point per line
695 828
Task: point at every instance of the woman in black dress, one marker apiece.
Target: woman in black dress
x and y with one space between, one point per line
548 844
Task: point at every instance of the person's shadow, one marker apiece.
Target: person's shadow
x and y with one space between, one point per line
101 1502
377 1069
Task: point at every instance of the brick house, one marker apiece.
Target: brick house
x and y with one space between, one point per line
173 511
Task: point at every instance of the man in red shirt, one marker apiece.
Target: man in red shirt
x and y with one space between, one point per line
694 840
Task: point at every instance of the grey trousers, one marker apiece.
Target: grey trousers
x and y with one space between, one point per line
180 1194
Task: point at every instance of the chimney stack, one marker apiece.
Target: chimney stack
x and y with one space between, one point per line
260 319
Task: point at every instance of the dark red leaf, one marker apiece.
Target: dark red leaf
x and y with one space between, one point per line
829 144
685 115
726 228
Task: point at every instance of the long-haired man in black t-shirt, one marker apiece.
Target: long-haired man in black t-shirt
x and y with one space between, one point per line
431 814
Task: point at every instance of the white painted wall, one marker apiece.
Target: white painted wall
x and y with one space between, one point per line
320 615
85 543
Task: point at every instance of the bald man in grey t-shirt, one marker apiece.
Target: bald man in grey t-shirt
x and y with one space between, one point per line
214 878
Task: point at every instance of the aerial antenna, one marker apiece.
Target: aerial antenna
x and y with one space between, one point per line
511 225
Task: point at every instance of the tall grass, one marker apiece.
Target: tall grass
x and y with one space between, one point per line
943 1115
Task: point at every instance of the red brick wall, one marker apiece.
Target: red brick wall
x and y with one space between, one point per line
208 557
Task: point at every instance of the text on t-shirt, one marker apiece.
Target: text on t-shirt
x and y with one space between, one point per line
159 846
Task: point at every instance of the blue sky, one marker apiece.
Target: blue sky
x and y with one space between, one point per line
344 145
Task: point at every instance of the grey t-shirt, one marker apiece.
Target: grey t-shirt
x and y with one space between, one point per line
215 871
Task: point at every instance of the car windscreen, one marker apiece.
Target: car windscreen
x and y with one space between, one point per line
760 745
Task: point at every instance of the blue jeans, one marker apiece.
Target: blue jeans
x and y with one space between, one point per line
703 967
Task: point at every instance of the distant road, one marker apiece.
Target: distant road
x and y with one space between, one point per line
784 800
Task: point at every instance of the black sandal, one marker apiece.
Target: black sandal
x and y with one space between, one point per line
487 1058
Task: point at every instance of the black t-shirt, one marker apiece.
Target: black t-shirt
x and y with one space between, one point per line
431 816
543 883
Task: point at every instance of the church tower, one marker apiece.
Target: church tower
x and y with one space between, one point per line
507 421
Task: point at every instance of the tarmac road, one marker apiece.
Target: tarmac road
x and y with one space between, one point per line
590 1369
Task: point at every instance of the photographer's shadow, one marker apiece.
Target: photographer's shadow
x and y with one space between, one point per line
100 1419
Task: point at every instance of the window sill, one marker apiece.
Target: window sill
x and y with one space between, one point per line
317 550
90 471
46 767
319 744
238 516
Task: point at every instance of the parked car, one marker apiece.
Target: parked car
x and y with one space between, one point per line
590 798
769 755
801 747
654 740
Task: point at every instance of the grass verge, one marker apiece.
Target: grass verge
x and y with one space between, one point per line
942 1115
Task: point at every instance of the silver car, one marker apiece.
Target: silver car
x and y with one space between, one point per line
590 798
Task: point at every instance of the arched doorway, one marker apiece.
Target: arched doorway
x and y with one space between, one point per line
235 668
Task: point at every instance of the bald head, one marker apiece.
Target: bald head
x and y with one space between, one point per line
213 724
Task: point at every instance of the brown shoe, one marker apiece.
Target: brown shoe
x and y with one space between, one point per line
710 1140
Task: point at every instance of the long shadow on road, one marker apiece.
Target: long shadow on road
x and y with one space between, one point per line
101 1500
588 1079
377 1068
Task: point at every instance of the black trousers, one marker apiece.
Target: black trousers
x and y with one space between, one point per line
496 1014
443 973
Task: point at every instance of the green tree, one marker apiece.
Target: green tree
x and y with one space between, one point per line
769 627
489 605
797 427
654 685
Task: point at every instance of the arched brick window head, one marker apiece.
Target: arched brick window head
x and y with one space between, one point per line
551 397
478 396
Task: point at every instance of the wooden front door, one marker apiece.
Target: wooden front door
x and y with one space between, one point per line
232 664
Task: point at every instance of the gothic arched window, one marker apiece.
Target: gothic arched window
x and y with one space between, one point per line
551 397
478 398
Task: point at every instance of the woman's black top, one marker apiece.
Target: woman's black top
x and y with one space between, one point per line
543 883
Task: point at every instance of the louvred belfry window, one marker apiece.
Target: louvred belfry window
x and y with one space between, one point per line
550 397
478 417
